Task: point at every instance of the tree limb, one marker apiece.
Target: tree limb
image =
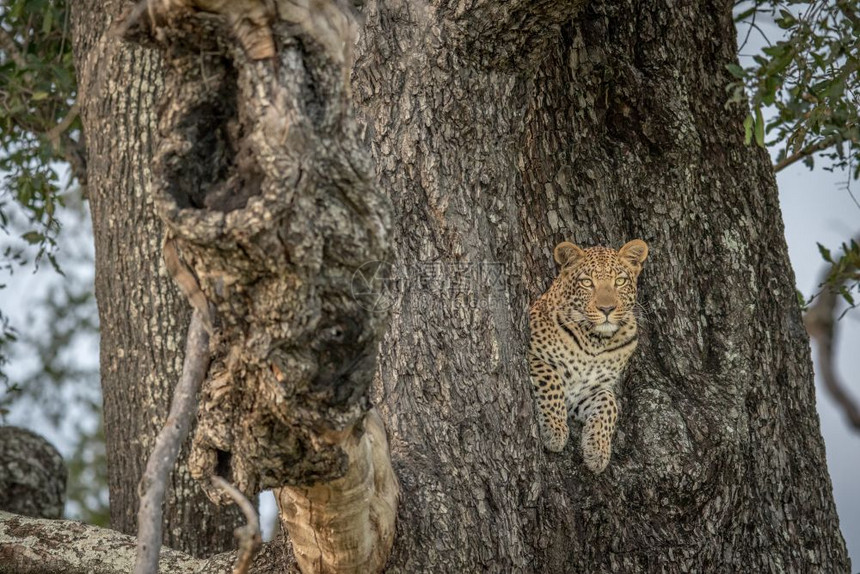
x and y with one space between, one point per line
32 474
53 134
154 481
248 535
805 152
41 546
820 321
7 43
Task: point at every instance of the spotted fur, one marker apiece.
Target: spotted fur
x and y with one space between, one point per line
583 332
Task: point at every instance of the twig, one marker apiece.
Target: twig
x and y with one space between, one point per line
55 132
248 535
75 153
749 31
807 151
7 42
154 482
820 323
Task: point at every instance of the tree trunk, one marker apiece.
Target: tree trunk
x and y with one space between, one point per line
143 317
503 129
498 130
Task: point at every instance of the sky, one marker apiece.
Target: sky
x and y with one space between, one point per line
816 207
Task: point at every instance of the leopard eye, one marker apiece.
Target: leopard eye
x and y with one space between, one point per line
585 282
621 281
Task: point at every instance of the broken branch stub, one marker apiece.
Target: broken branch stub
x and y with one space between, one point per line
268 194
358 530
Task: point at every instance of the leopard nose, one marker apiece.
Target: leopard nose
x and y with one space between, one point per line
607 309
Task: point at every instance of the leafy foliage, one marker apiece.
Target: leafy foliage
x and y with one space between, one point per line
39 124
810 77
42 157
53 374
844 274
38 127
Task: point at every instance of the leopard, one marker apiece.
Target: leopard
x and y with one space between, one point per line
584 330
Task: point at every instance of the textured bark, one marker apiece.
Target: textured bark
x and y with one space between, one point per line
142 315
39 546
64 547
614 129
32 474
593 127
266 191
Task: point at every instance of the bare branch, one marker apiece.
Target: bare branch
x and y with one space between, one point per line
54 133
161 461
7 43
248 535
820 321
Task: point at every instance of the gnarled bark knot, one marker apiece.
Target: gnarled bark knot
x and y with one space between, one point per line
271 208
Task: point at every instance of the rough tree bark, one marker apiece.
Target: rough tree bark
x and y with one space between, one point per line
32 474
270 205
499 129
143 316
597 129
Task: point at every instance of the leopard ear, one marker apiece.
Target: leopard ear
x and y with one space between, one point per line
634 253
566 253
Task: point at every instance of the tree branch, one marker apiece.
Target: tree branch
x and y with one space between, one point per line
7 43
248 535
161 461
32 474
805 152
820 321
54 133
41 546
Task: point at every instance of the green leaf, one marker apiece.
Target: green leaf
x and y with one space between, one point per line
48 22
748 129
759 128
825 253
736 71
745 14
38 96
33 237
787 21
846 295
801 300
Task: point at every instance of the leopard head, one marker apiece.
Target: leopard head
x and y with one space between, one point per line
597 286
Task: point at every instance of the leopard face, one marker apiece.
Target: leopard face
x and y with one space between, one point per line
596 287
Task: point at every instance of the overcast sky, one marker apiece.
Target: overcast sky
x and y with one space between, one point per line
816 207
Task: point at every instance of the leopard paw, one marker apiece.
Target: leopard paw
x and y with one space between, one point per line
555 439
596 461
596 453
